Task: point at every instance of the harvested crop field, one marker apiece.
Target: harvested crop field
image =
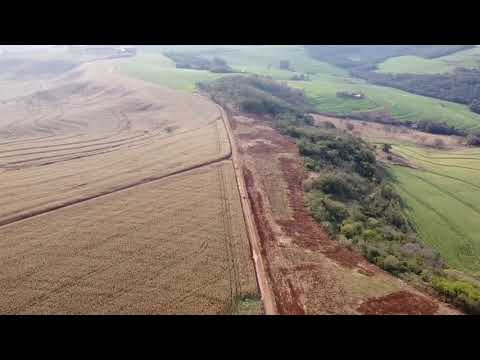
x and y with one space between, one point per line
79 140
119 197
308 272
143 250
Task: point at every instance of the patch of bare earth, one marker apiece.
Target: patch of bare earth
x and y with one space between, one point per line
399 303
309 273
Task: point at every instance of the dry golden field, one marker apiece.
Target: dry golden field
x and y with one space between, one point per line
177 245
86 138
118 196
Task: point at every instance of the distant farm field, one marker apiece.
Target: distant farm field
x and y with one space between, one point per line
325 81
442 198
416 65
401 104
159 69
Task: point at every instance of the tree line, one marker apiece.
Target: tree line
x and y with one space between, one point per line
190 61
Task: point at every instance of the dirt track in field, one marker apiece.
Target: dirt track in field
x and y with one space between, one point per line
109 187
308 272
268 299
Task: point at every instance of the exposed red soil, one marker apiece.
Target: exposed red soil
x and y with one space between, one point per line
292 241
399 303
267 144
305 231
286 303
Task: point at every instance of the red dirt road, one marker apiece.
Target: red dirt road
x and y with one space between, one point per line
264 287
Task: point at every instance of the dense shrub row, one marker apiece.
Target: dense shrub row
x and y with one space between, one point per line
353 200
256 94
189 61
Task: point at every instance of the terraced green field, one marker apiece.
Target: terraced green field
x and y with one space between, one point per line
443 200
402 105
416 65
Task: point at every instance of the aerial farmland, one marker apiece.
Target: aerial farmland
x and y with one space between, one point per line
109 183
232 180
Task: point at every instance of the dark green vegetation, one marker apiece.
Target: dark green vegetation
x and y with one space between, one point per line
190 61
367 56
352 196
256 94
460 293
461 86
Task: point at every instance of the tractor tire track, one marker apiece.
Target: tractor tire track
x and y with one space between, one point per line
146 180
468 242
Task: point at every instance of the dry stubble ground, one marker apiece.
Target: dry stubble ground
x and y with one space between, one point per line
175 245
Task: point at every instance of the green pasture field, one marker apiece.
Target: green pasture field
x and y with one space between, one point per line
443 201
416 65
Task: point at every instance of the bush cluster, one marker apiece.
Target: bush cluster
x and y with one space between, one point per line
189 61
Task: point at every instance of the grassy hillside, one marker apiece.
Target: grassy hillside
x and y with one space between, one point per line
402 105
367 56
443 200
416 65
159 69
326 80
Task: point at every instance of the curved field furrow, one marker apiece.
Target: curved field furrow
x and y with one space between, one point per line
452 178
448 194
91 168
452 157
123 176
122 197
122 141
407 154
467 243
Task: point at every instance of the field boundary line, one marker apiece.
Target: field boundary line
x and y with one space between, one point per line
252 234
467 241
147 180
